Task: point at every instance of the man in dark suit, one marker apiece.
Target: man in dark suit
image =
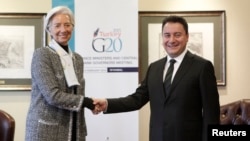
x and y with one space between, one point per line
182 111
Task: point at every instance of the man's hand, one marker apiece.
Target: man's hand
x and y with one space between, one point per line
101 105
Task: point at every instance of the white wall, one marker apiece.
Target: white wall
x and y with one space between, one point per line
237 51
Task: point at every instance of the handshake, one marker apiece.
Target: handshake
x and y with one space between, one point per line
97 105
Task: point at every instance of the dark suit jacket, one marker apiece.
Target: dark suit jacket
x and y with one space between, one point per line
192 105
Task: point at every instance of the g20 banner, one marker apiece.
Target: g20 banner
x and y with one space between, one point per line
106 35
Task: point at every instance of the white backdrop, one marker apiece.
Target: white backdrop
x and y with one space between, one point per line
106 35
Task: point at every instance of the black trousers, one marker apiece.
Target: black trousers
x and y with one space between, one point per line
73 138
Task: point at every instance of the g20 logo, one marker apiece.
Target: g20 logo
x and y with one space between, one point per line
107 45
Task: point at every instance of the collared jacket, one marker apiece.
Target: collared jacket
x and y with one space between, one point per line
183 115
52 104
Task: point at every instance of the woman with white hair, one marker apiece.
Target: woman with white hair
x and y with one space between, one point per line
56 111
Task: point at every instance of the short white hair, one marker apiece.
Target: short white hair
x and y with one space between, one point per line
58 10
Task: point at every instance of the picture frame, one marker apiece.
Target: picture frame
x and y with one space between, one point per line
206 34
20 35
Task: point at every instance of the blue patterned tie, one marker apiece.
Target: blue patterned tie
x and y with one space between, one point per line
168 77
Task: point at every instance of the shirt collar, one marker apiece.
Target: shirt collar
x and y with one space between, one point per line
178 58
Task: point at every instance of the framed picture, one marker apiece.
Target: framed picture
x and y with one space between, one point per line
206 38
20 34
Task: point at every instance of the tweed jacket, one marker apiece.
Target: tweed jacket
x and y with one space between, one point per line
50 114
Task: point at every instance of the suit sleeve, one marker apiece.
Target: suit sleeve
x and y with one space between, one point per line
210 97
131 102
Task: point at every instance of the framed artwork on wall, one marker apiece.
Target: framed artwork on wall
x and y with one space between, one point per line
20 34
206 38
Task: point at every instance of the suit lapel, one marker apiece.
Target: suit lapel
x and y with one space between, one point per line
185 65
159 76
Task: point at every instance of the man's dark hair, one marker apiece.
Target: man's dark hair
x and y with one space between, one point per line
175 19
